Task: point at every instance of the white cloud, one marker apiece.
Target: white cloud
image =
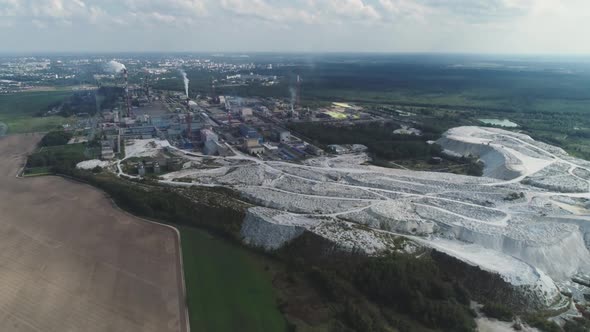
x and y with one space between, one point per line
355 9
39 24
263 10
444 25
404 10
168 7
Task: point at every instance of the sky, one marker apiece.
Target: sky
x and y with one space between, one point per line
454 26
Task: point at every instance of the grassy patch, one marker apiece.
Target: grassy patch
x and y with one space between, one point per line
78 148
29 103
227 289
37 171
37 124
18 111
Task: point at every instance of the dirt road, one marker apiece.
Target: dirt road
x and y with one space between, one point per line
70 261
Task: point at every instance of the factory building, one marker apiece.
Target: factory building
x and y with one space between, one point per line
141 169
246 114
144 118
282 136
208 135
210 140
144 132
248 132
337 149
314 150
193 106
195 127
106 151
210 148
252 146
359 148
251 142
256 150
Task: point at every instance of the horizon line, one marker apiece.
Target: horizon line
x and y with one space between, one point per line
262 52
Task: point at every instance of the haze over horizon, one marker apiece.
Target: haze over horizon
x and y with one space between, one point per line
449 26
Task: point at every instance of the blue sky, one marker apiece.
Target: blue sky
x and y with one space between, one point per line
473 26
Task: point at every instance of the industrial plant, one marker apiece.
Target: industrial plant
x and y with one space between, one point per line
212 124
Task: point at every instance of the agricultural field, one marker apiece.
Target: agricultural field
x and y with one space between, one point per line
18 111
99 269
228 289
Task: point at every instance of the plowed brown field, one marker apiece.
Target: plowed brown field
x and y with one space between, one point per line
71 261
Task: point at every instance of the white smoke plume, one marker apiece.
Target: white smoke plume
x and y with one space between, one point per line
186 81
115 67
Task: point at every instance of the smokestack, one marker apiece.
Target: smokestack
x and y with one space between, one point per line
298 99
117 67
127 97
293 93
189 129
214 96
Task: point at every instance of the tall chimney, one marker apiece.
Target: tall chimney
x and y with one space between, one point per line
298 97
189 120
127 97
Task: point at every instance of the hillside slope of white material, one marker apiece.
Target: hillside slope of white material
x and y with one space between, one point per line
505 156
526 278
526 220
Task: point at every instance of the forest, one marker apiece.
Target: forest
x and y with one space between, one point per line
88 102
385 146
379 138
524 84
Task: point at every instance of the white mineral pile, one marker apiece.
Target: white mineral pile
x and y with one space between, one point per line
144 147
531 282
92 164
506 155
528 218
269 229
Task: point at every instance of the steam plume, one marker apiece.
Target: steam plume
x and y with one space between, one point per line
115 66
186 81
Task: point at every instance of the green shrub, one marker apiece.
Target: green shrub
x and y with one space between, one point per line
417 288
55 138
498 311
542 323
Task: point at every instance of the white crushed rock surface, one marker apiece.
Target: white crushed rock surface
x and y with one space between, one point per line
261 230
526 219
560 183
91 164
525 278
302 186
581 173
144 147
493 325
507 155
352 237
349 160
307 204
